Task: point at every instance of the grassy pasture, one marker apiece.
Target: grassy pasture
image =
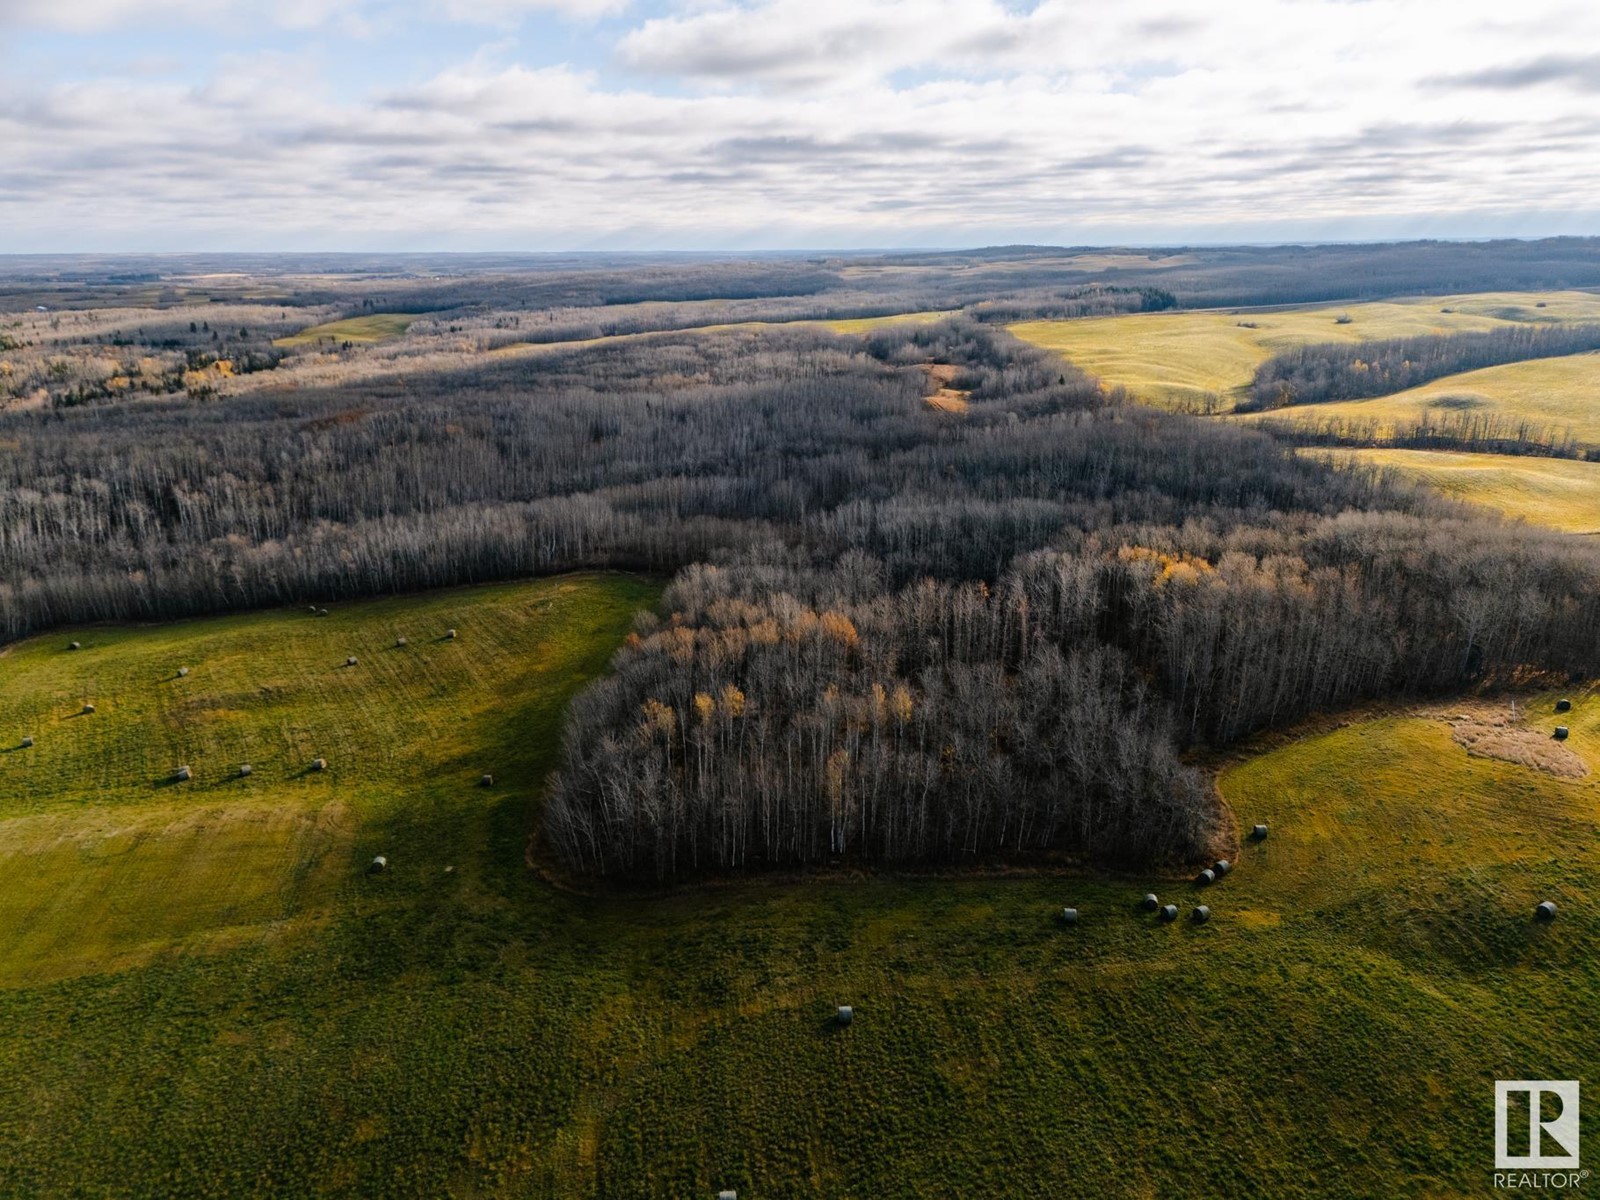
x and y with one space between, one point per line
1370 969
1554 394
1182 359
1561 493
377 327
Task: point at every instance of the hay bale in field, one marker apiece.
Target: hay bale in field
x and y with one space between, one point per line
322 612
1259 832
845 1014
88 708
1222 866
1206 877
1563 705
26 742
400 643
182 671
351 661
1546 910
1069 916
486 781
1150 903
319 764
449 635
183 774
378 865
1169 912
74 645
1561 733
1202 914
727 1194
244 770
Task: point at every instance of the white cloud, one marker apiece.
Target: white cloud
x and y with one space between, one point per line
827 122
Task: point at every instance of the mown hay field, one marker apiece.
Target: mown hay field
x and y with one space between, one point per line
1557 398
205 994
1204 360
1560 493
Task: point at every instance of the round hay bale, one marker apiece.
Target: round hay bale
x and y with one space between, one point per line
183 774
313 610
400 643
351 661
182 671
449 635
1561 733
1206 877
379 864
845 1014
88 708
1150 903
1069 916
319 764
322 612
1202 914
1169 912
1222 866
486 781
727 1194
26 742
244 770
1259 832
1546 910
74 645
1563 705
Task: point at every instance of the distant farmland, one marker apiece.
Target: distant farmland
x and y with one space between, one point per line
1202 360
1554 395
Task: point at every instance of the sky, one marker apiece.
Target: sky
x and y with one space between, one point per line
489 125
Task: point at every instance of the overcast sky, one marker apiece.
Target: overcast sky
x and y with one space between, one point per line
637 124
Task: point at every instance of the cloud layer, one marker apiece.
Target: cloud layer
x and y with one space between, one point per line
545 124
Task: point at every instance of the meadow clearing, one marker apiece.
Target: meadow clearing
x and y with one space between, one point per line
376 327
1202 360
204 992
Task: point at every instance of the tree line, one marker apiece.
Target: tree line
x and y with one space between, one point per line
1361 370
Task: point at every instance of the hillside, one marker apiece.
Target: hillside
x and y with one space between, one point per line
1203 360
253 1013
1560 493
1553 398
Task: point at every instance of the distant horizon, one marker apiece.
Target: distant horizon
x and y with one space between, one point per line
779 251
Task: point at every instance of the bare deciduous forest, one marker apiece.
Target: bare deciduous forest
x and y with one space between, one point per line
896 634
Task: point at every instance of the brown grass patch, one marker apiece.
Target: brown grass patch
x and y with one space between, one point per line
947 399
1487 730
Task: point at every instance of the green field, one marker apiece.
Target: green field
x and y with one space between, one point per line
362 330
1205 359
1560 493
204 994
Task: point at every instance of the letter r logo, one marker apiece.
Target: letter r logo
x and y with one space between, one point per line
1552 1124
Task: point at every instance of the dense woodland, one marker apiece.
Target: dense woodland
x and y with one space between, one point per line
894 634
1360 370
